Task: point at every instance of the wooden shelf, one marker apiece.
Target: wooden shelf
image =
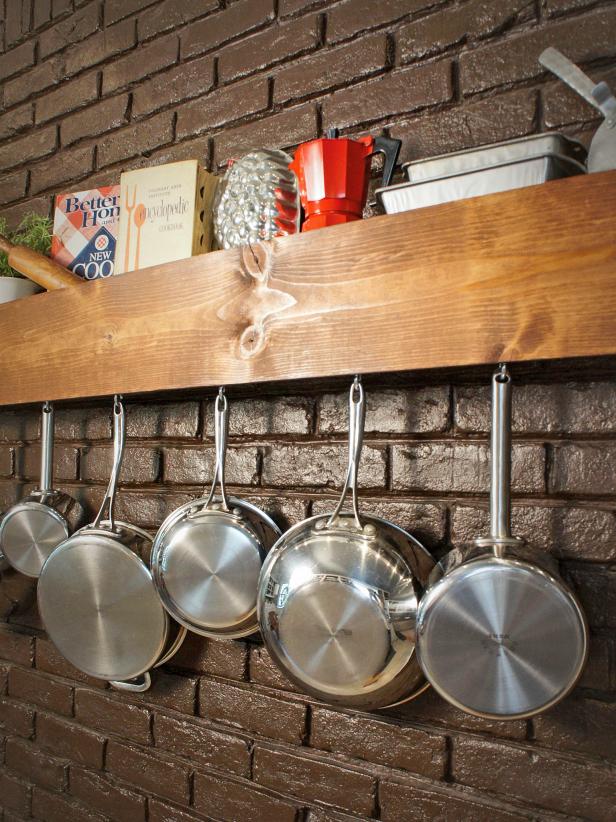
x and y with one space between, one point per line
523 275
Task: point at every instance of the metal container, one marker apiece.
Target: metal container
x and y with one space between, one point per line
30 530
486 170
499 633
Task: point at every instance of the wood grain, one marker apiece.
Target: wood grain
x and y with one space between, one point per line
523 275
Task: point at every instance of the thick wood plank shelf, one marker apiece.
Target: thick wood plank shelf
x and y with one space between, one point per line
527 274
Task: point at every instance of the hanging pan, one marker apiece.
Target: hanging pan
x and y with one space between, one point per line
338 598
30 530
97 598
499 633
207 555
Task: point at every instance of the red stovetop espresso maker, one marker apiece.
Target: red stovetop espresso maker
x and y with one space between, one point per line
333 176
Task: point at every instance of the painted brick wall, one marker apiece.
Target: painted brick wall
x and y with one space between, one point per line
91 88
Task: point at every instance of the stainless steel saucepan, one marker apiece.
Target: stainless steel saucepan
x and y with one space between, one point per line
207 555
97 598
499 633
30 530
338 597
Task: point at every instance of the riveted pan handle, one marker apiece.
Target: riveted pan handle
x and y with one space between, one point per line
500 483
221 427
119 436
356 435
47 421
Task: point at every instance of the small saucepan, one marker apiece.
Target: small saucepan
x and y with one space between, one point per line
499 633
207 555
97 598
30 530
338 598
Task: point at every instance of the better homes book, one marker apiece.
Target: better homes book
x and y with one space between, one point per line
166 214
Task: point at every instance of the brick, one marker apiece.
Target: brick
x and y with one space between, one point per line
4 678
252 710
257 417
6 462
213 656
237 19
179 419
217 797
274 44
137 139
17 59
314 780
70 740
415 803
170 14
596 589
52 807
583 38
584 725
569 408
41 12
113 801
82 423
385 743
16 647
419 410
554 7
321 465
353 16
162 812
501 117
141 62
117 9
16 23
28 462
110 716
222 106
199 148
39 143
285 511
60 7
542 779
74 29
292 126
38 78
171 691
15 794
397 92
64 99
205 746
426 522
196 466
93 121
153 775
180 83
49 659
37 205
583 468
61 170
286 8
452 26
38 767
31 686
596 674
14 186
146 509
112 41
463 467
16 120
263 670
328 69
563 106
16 718
139 464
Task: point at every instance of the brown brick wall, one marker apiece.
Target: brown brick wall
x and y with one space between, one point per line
91 88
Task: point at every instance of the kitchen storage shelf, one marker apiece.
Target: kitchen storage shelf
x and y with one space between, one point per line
523 275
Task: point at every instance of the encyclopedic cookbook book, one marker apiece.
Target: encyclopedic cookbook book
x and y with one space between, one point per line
165 214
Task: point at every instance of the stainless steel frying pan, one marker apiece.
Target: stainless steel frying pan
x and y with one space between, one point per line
338 597
30 530
499 633
207 555
97 598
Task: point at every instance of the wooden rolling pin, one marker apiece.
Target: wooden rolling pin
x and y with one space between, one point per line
38 268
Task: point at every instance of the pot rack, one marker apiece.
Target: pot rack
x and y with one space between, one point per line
523 275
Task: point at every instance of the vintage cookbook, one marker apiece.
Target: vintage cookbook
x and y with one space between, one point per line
166 214
85 229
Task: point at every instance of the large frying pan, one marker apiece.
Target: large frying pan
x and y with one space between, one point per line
499 633
338 597
97 598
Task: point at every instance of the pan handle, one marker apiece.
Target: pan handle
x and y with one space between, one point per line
47 420
500 483
137 685
221 427
356 432
119 435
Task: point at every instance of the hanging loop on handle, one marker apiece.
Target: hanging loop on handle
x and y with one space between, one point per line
356 435
47 423
500 484
221 427
119 435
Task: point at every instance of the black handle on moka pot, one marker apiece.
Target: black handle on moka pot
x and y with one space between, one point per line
390 149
